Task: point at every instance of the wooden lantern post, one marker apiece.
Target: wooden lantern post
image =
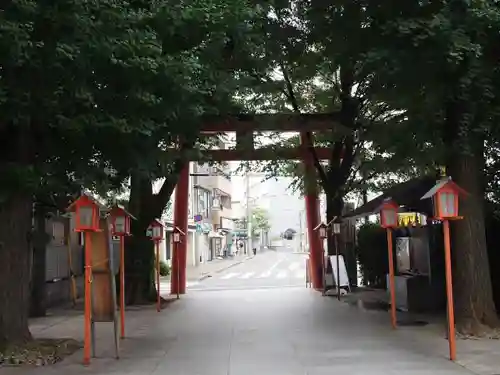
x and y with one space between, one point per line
445 196
389 220
156 228
87 215
335 227
322 230
177 239
120 224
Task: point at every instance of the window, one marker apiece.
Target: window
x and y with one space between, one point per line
204 199
225 201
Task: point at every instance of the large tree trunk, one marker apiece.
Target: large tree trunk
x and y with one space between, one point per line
139 250
472 282
473 292
38 306
15 231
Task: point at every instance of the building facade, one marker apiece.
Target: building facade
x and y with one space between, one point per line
210 222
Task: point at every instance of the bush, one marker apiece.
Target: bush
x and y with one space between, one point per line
164 268
372 255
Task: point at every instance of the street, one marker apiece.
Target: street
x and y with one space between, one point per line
268 269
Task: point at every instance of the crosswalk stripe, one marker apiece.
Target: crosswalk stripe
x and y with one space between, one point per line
229 275
294 266
281 275
247 275
264 275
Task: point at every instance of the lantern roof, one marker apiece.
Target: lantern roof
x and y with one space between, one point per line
321 225
119 209
177 229
388 202
335 220
85 198
446 182
157 223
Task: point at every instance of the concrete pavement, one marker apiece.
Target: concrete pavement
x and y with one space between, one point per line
262 330
289 331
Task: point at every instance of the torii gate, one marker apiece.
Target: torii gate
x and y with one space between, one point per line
245 126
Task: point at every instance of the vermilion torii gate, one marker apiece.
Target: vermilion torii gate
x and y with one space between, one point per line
245 126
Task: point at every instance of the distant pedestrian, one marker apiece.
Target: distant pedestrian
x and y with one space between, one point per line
254 251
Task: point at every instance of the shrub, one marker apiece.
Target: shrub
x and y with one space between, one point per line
372 255
164 268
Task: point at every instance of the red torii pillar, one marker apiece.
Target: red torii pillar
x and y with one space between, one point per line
181 205
312 214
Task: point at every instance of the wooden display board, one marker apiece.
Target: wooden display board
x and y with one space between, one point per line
104 300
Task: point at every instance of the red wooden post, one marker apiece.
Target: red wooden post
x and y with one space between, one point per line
449 291
88 290
122 287
158 297
312 214
392 283
389 220
445 198
178 279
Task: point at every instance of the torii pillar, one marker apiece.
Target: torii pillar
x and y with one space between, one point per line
181 205
312 213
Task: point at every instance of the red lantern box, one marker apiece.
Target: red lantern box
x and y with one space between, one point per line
389 214
156 228
120 221
444 197
177 235
87 213
322 230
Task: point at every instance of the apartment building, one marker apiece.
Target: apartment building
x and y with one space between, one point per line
211 225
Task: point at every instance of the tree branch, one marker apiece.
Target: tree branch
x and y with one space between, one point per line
296 109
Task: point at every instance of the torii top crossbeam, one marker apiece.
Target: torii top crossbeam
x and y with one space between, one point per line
246 124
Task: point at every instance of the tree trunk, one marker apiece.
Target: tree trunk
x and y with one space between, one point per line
334 208
472 282
139 250
15 231
38 301
472 285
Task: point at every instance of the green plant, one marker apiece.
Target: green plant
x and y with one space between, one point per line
164 268
372 255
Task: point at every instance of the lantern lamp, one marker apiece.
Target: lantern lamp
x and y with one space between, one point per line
336 228
120 221
156 228
87 213
177 235
445 196
322 229
389 214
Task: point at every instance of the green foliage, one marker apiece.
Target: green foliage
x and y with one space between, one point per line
164 268
372 255
260 221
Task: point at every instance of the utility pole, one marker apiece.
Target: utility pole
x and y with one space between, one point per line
301 234
248 215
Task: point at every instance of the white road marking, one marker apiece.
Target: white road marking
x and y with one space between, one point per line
300 274
247 275
264 275
274 266
229 275
294 266
281 275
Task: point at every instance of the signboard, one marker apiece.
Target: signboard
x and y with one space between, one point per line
344 279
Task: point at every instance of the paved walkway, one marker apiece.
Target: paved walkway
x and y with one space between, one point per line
290 331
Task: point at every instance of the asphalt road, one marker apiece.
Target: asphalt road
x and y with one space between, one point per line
268 269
